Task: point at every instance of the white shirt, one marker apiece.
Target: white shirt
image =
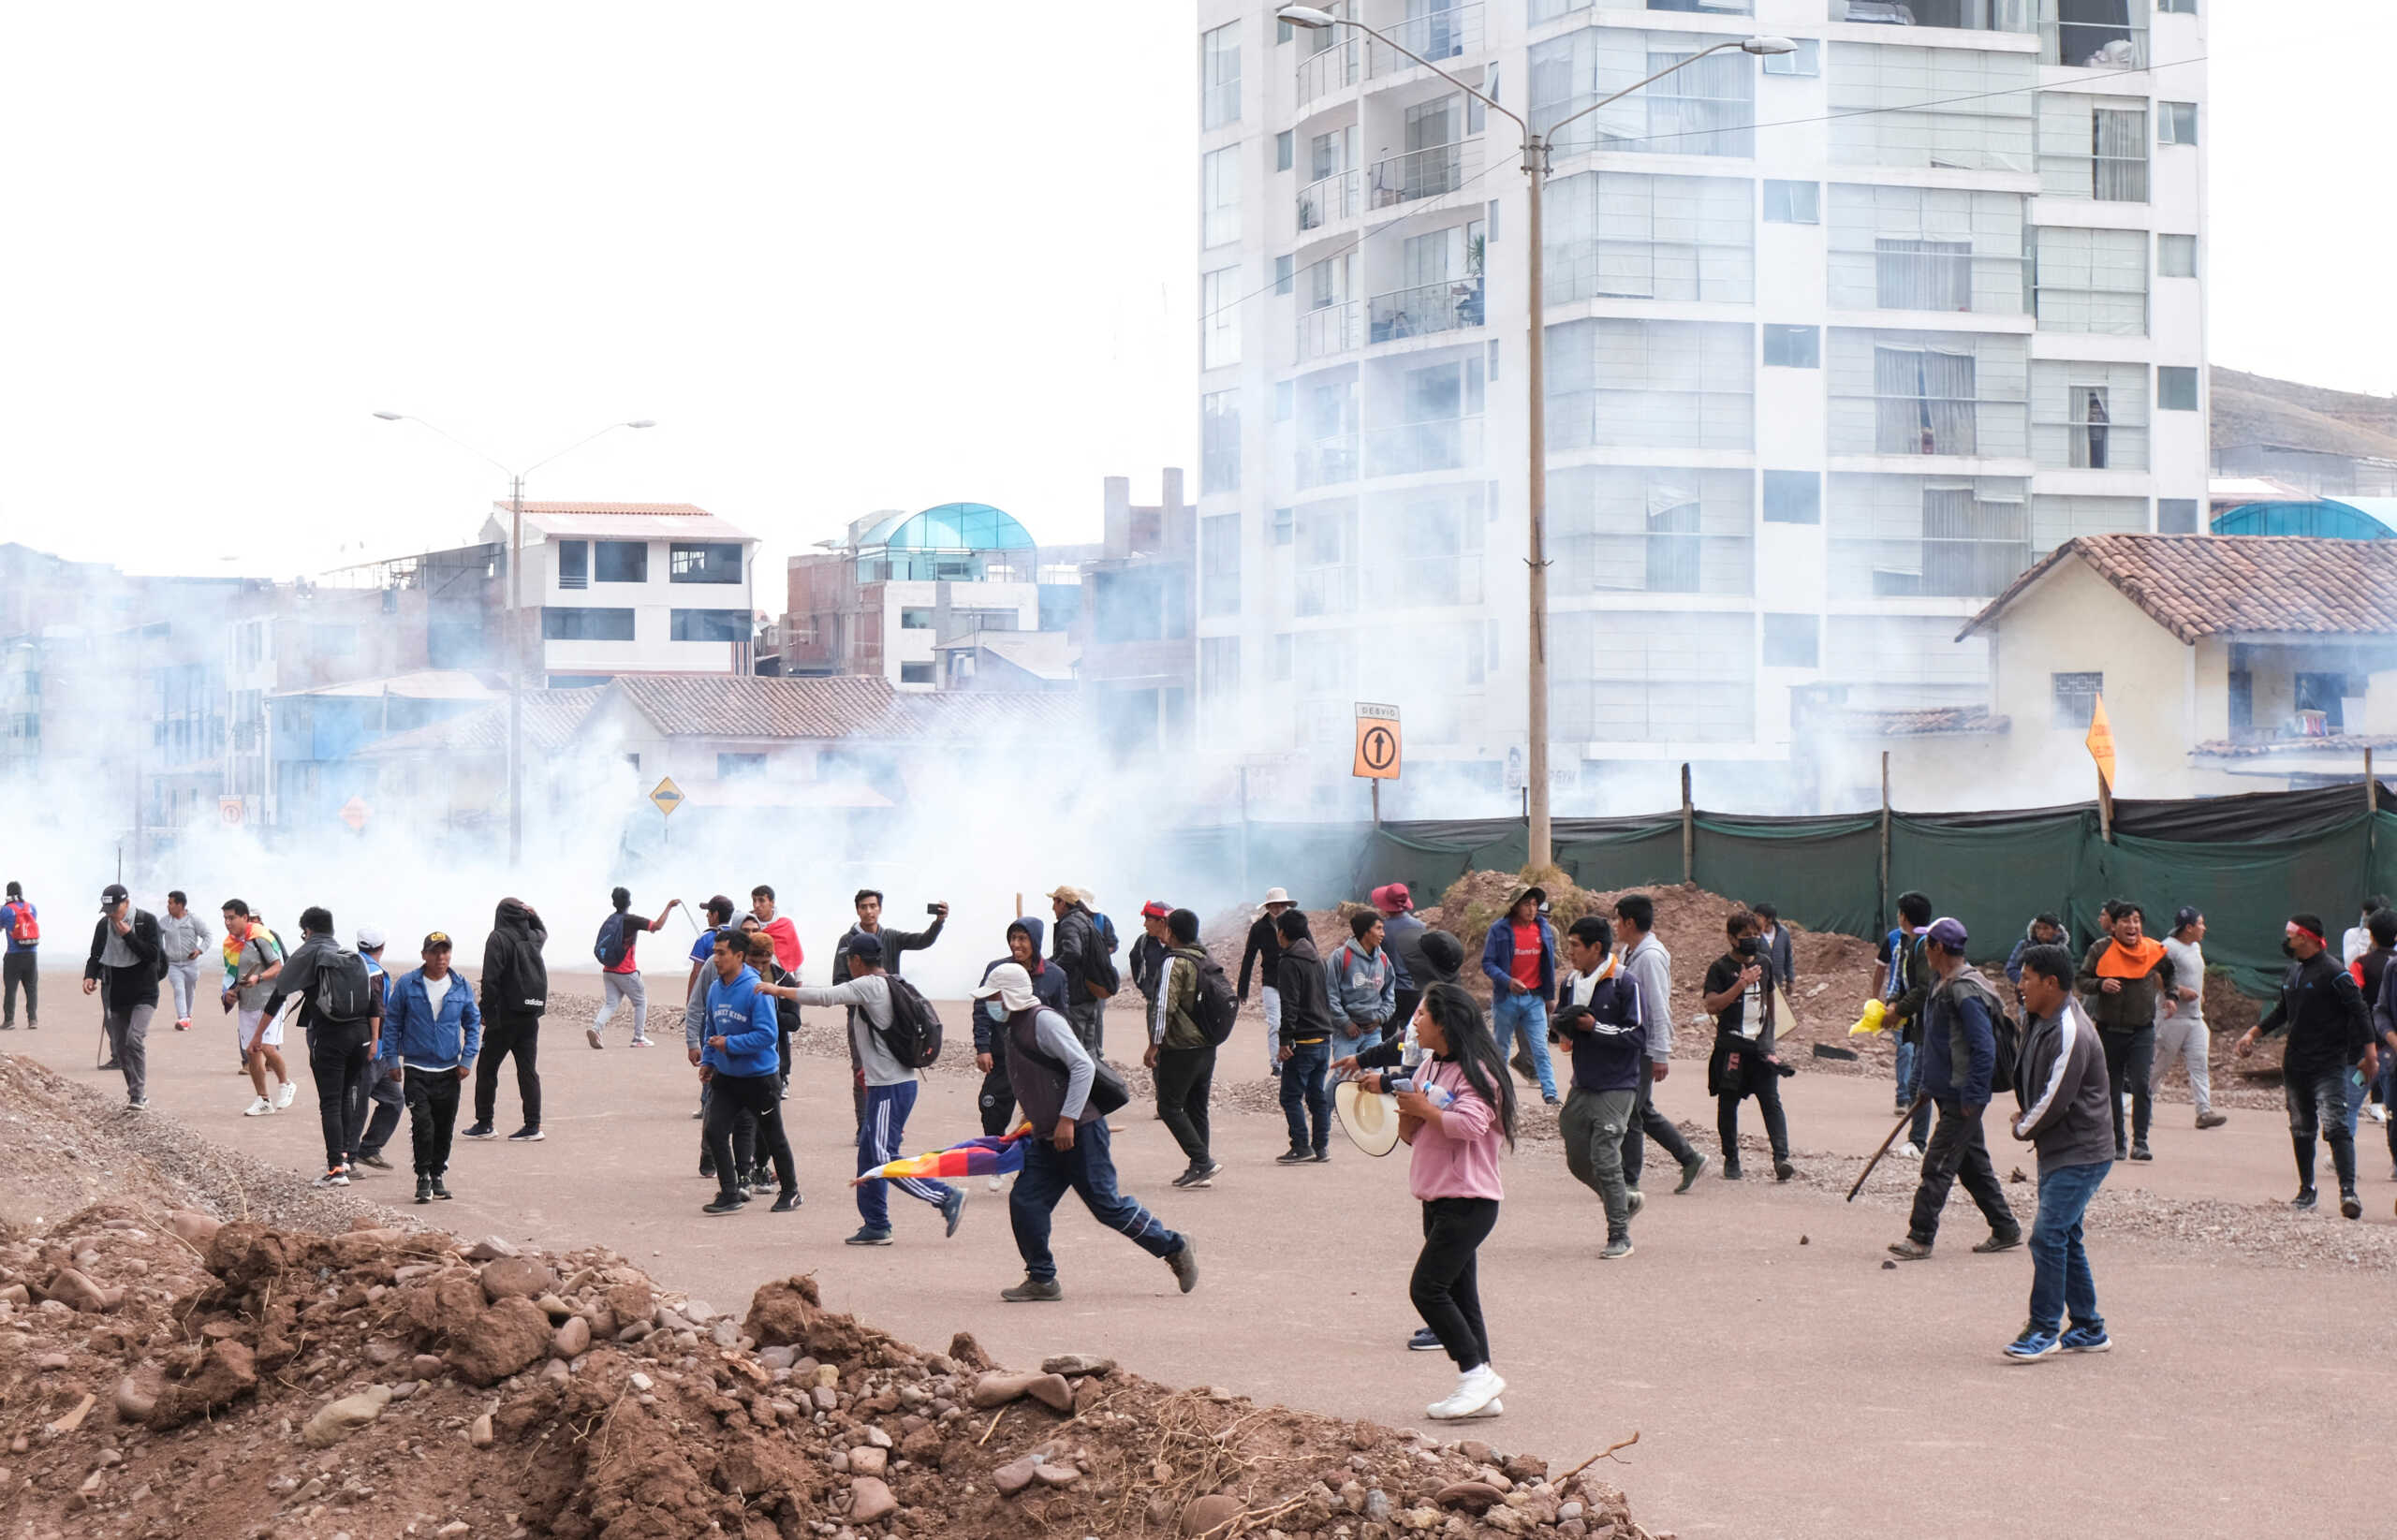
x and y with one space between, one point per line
2189 972
436 991
2352 946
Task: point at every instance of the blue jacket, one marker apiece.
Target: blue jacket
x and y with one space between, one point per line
1957 1057
1498 950
412 1032
745 1020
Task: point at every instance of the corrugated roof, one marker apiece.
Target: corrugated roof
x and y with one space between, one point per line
425 685
551 717
1922 722
622 521
2206 585
838 706
2225 748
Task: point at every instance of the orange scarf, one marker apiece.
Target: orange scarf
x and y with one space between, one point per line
2119 962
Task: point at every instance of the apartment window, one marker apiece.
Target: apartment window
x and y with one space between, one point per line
1219 76
1793 347
621 561
1806 61
1621 235
1285 522
1948 109
2176 257
1219 442
2176 516
2176 123
1925 536
1793 202
1218 667
1219 196
1928 393
713 562
1708 109
1793 641
2089 416
1652 529
1428 550
574 563
916 620
2057 518
2177 8
1925 248
711 625
740 766
917 673
1285 150
582 624
2090 281
2075 699
1326 564
1219 565
1286 399
1793 497
1219 318
2094 34
2176 387
1655 384
1284 648
1285 274
2093 147
1629 676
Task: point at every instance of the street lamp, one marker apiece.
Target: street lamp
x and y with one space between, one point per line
1535 156
516 607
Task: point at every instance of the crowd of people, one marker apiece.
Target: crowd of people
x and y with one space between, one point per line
2074 1041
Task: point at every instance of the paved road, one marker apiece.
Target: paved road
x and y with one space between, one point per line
1778 1388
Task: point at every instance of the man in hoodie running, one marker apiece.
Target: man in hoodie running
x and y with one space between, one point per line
895 942
1024 935
1599 1018
1958 1069
515 994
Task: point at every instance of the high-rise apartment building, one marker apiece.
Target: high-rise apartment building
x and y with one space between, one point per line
1838 343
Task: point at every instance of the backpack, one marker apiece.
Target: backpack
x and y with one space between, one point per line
914 1033
345 993
1213 1006
2007 1075
610 946
24 929
1099 963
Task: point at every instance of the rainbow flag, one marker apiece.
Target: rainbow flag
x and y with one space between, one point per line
985 1156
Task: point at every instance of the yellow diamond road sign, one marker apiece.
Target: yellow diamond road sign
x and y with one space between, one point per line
668 797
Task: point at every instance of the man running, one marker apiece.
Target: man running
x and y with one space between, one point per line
431 1036
1599 1018
2183 1034
2127 982
21 966
2062 1087
620 980
515 994
2330 1035
125 966
1958 1070
1069 1147
1264 950
1651 967
253 961
1024 935
184 936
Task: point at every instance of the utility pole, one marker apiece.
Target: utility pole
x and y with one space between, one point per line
516 679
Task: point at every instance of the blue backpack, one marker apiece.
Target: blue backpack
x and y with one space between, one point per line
611 945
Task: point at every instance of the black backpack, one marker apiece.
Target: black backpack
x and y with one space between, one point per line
610 949
345 993
1098 964
914 1033
1213 1004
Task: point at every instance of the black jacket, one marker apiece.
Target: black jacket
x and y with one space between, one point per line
1148 960
895 942
1264 945
515 981
2324 1015
1306 998
1075 939
123 989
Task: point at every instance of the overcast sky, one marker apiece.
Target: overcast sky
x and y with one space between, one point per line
849 256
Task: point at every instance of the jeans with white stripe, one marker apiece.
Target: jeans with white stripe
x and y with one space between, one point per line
1087 1168
878 1144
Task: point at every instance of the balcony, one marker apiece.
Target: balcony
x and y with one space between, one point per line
1330 331
1325 462
2092 44
1440 443
1449 305
1330 200
1439 37
1425 173
1322 73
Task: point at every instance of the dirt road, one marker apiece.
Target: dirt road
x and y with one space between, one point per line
1779 1387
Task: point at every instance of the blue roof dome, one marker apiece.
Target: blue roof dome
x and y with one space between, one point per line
949 526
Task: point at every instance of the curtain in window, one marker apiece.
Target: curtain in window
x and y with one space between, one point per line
1672 538
1704 109
2091 422
2121 174
1923 274
1924 401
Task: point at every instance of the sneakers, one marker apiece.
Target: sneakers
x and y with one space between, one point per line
483 1131
2211 1119
1552 1101
283 1097
1424 1340
527 1134
376 1161
260 1108
1476 1388
952 1209
2035 1343
1910 1250
1202 1174
727 1203
641 1043
1617 1249
1294 1157
2140 1151
334 1177
1731 1172
444 1194
1909 1150
1998 1243
707 1163
1782 1169
591 1035
763 1181
140 1104
1692 1169
997 1183
786 1203
424 1189
1637 1199
183 1023
2303 1201
1034 1291
2086 1339
869 1236
1321 1157
1185 1264
2348 1207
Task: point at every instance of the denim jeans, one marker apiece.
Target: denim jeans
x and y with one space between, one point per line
2061 1284
1906 1072
1343 1047
2318 1106
1527 1012
1303 1096
1087 1168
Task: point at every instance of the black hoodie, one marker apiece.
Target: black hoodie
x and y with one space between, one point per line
515 981
1307 997
1047 985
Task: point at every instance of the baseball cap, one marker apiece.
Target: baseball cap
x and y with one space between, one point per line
2185 916
112 895
1155 910
868 948
435 940
1010 985
370 938
1948 934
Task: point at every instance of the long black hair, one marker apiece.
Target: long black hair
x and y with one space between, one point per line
1473 1051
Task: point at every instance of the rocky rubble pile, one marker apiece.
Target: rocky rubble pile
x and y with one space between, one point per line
168 1375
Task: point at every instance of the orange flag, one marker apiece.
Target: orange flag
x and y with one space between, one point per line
2100 741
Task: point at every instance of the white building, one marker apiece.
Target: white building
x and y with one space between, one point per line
632 588
1838 343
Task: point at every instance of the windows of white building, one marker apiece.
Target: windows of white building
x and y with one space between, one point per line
2091 281
1220 318
2093 147
1636 677
1622 235
1664 385
2056 519
1925 536
1219 196
2089 416
1928 393
1946 108
1708 109
1615 529
1219 442
1925 248
2176 257
1219 565
1793 202
1219 76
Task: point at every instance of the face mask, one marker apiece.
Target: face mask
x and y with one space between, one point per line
1748 947
2289 949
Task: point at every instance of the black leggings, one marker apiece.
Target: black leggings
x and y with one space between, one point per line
338 1060
759 1097
998 1093
1445 1288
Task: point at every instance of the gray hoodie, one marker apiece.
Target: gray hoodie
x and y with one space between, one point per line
2063 1090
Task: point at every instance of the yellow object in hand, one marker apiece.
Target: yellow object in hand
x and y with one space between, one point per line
1871 1020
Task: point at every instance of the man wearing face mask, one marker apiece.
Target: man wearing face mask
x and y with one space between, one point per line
1738 990
2330 1036
1025 935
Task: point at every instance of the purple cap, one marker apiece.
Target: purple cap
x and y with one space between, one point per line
1948 934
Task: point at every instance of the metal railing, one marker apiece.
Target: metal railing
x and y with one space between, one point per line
1331 329
1448 305
1441 36
1325 462
2093 45
1328 70
1440 443
1425 173
1332 198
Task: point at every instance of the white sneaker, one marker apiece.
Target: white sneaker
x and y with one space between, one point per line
1476 1388
997 1183
2379 1113
1909 1150
259 1109
283 1097
331 1179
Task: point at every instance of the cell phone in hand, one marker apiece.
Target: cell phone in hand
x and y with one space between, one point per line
932 909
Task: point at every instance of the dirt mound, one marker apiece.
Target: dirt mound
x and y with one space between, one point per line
165 1373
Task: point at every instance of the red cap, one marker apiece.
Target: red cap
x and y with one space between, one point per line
1155 910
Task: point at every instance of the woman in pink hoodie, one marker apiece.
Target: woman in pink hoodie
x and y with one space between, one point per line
1458 1107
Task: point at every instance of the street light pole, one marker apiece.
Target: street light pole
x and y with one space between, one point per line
518 644
1536 167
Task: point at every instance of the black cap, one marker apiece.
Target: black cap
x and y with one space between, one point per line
2187 916
112 895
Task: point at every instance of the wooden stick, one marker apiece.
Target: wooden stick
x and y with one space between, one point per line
1904 1119
1607 1452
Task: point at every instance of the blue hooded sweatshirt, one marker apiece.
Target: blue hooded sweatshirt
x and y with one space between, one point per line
745 1020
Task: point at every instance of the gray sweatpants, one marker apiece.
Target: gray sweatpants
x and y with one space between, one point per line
184 976
2178 1037
1088 1018
625 989
1593 1125
128 1033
